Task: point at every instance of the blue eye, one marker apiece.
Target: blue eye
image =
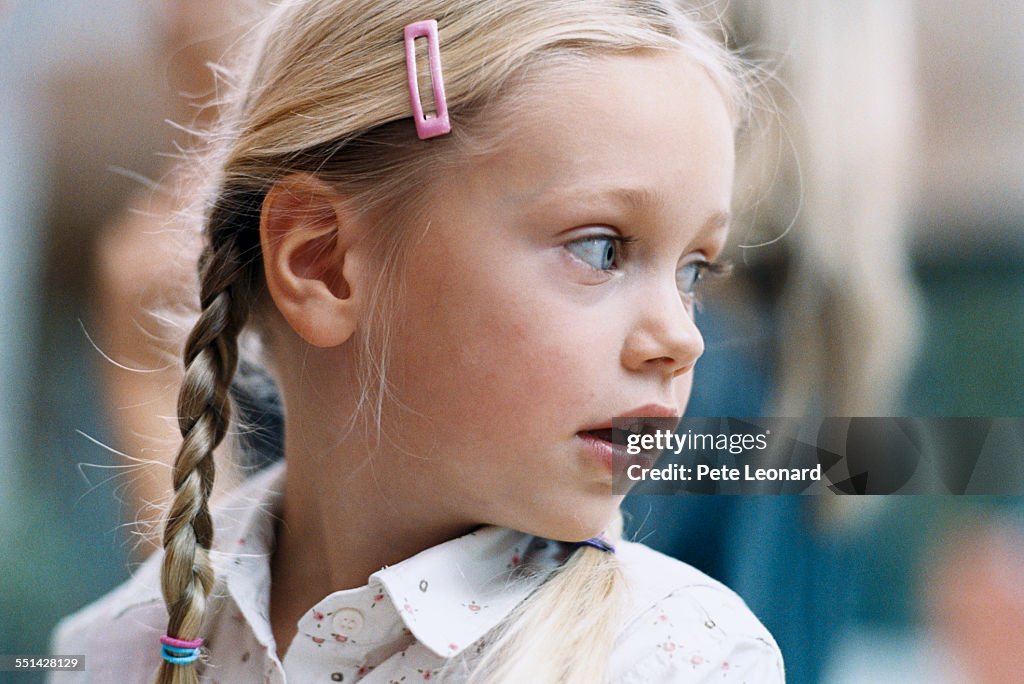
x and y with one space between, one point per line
601 252
689 275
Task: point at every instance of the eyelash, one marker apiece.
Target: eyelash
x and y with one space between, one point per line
705 269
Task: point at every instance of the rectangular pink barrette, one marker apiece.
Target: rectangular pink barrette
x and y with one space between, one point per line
433 126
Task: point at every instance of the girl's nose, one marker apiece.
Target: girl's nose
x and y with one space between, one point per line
664 338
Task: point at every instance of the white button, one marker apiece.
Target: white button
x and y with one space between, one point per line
348 622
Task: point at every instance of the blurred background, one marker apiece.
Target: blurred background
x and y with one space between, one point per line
879 271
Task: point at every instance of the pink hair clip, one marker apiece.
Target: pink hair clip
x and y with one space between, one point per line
426 127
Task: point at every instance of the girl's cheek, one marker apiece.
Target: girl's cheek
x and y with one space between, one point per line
683 387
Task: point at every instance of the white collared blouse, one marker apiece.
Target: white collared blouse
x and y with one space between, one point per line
421 620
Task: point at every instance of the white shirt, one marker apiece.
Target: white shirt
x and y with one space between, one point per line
414 618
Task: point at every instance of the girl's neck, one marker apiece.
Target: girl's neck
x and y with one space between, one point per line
341 524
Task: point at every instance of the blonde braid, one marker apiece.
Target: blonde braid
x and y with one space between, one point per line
204 413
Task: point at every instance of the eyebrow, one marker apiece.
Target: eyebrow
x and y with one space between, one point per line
716 222
635 199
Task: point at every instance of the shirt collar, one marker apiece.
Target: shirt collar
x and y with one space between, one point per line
244 543
451 595
448 596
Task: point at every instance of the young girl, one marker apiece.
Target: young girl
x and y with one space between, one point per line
454 307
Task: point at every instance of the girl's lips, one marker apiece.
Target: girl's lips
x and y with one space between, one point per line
604 434
648 418
659 415
598 445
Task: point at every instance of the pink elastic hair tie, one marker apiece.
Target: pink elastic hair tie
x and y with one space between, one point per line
180 643
439 124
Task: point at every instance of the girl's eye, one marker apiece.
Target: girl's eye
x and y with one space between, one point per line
690 275
601 252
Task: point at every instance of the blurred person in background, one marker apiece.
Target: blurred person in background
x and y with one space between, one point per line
974 599
46 394
145 263
84 92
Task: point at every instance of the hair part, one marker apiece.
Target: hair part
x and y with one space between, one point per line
325 93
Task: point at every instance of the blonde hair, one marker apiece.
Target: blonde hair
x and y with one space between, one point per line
326 94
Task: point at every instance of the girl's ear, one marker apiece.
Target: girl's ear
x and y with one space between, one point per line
312 258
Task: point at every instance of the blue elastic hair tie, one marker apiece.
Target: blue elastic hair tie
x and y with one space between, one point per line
599 542
179 656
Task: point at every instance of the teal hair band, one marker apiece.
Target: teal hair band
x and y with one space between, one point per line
179 656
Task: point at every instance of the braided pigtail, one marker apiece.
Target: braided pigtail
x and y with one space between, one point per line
204 414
